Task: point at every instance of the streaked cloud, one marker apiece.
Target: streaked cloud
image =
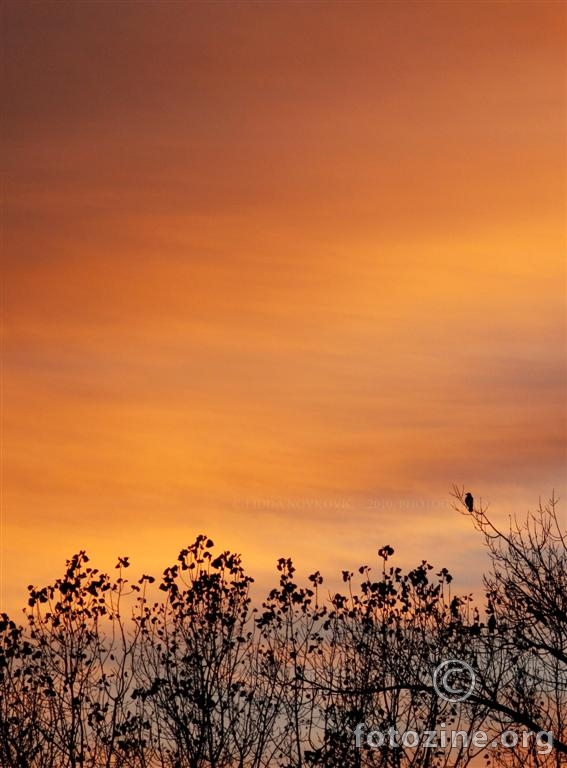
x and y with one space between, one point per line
280 273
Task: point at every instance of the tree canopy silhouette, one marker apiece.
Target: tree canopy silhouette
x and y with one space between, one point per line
187 671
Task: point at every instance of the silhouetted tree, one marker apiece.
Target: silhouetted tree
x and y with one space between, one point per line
198 662
185 672
67 675
384 640
526 591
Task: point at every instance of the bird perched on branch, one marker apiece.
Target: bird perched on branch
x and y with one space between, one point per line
469 501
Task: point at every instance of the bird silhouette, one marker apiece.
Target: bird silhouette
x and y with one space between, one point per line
469 501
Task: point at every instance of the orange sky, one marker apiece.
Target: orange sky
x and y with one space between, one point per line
282 273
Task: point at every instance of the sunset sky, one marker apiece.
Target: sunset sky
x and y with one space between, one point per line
281 273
